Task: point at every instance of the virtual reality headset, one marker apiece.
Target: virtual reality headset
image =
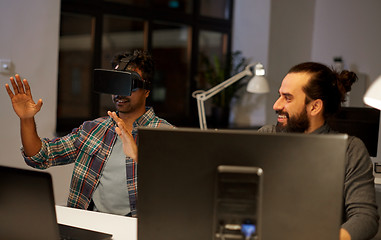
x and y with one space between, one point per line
118 82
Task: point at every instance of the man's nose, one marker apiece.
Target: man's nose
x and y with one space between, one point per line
278 105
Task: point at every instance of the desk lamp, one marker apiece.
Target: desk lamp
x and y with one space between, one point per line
257 84
372 96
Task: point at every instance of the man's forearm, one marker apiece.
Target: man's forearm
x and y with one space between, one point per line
29 137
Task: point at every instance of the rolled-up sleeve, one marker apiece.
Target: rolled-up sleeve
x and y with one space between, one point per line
54 152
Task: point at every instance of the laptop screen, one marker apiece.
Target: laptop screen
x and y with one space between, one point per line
26 205
27 208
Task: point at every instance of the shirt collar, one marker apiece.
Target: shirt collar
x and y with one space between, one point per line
146 118
323 129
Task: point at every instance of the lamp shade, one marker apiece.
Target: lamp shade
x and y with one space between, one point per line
372 96
258 84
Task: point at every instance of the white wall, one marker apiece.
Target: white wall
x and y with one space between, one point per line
251 36
251 29
29 38
349 28
291 31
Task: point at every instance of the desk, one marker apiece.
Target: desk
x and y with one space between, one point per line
122 228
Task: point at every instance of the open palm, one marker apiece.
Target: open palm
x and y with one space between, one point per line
21 98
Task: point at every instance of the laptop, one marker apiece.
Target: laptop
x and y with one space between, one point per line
27 208
301 183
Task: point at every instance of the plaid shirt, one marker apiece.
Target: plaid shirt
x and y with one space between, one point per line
89 147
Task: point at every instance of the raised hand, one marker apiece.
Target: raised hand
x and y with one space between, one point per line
21 98
130 148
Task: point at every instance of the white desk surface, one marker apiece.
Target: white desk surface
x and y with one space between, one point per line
122 228
377 180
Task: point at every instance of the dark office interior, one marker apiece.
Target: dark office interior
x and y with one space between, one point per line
57 44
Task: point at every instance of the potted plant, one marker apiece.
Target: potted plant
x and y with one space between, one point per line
216 70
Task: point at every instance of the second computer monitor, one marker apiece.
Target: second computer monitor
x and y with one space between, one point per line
302 182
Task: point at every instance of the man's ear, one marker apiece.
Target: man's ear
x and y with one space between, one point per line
316 107
147 93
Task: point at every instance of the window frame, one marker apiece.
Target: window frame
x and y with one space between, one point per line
97 9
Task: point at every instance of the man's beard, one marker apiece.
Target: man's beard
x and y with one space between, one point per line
297 124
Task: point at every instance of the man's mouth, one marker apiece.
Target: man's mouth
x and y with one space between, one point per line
121 100
282 117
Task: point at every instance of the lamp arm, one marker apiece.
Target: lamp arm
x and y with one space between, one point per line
205 95
202 95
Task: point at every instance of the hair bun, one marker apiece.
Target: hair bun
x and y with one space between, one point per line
345 80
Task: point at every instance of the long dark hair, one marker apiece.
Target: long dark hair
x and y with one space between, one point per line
326 84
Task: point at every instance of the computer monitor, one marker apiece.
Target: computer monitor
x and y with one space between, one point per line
302 182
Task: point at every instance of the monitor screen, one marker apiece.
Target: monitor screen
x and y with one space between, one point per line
184 173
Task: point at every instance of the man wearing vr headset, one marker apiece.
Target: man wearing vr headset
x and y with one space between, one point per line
104 150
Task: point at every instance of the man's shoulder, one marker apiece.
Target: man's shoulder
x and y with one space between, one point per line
353 142
356 144
150 119
267 129
160 123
